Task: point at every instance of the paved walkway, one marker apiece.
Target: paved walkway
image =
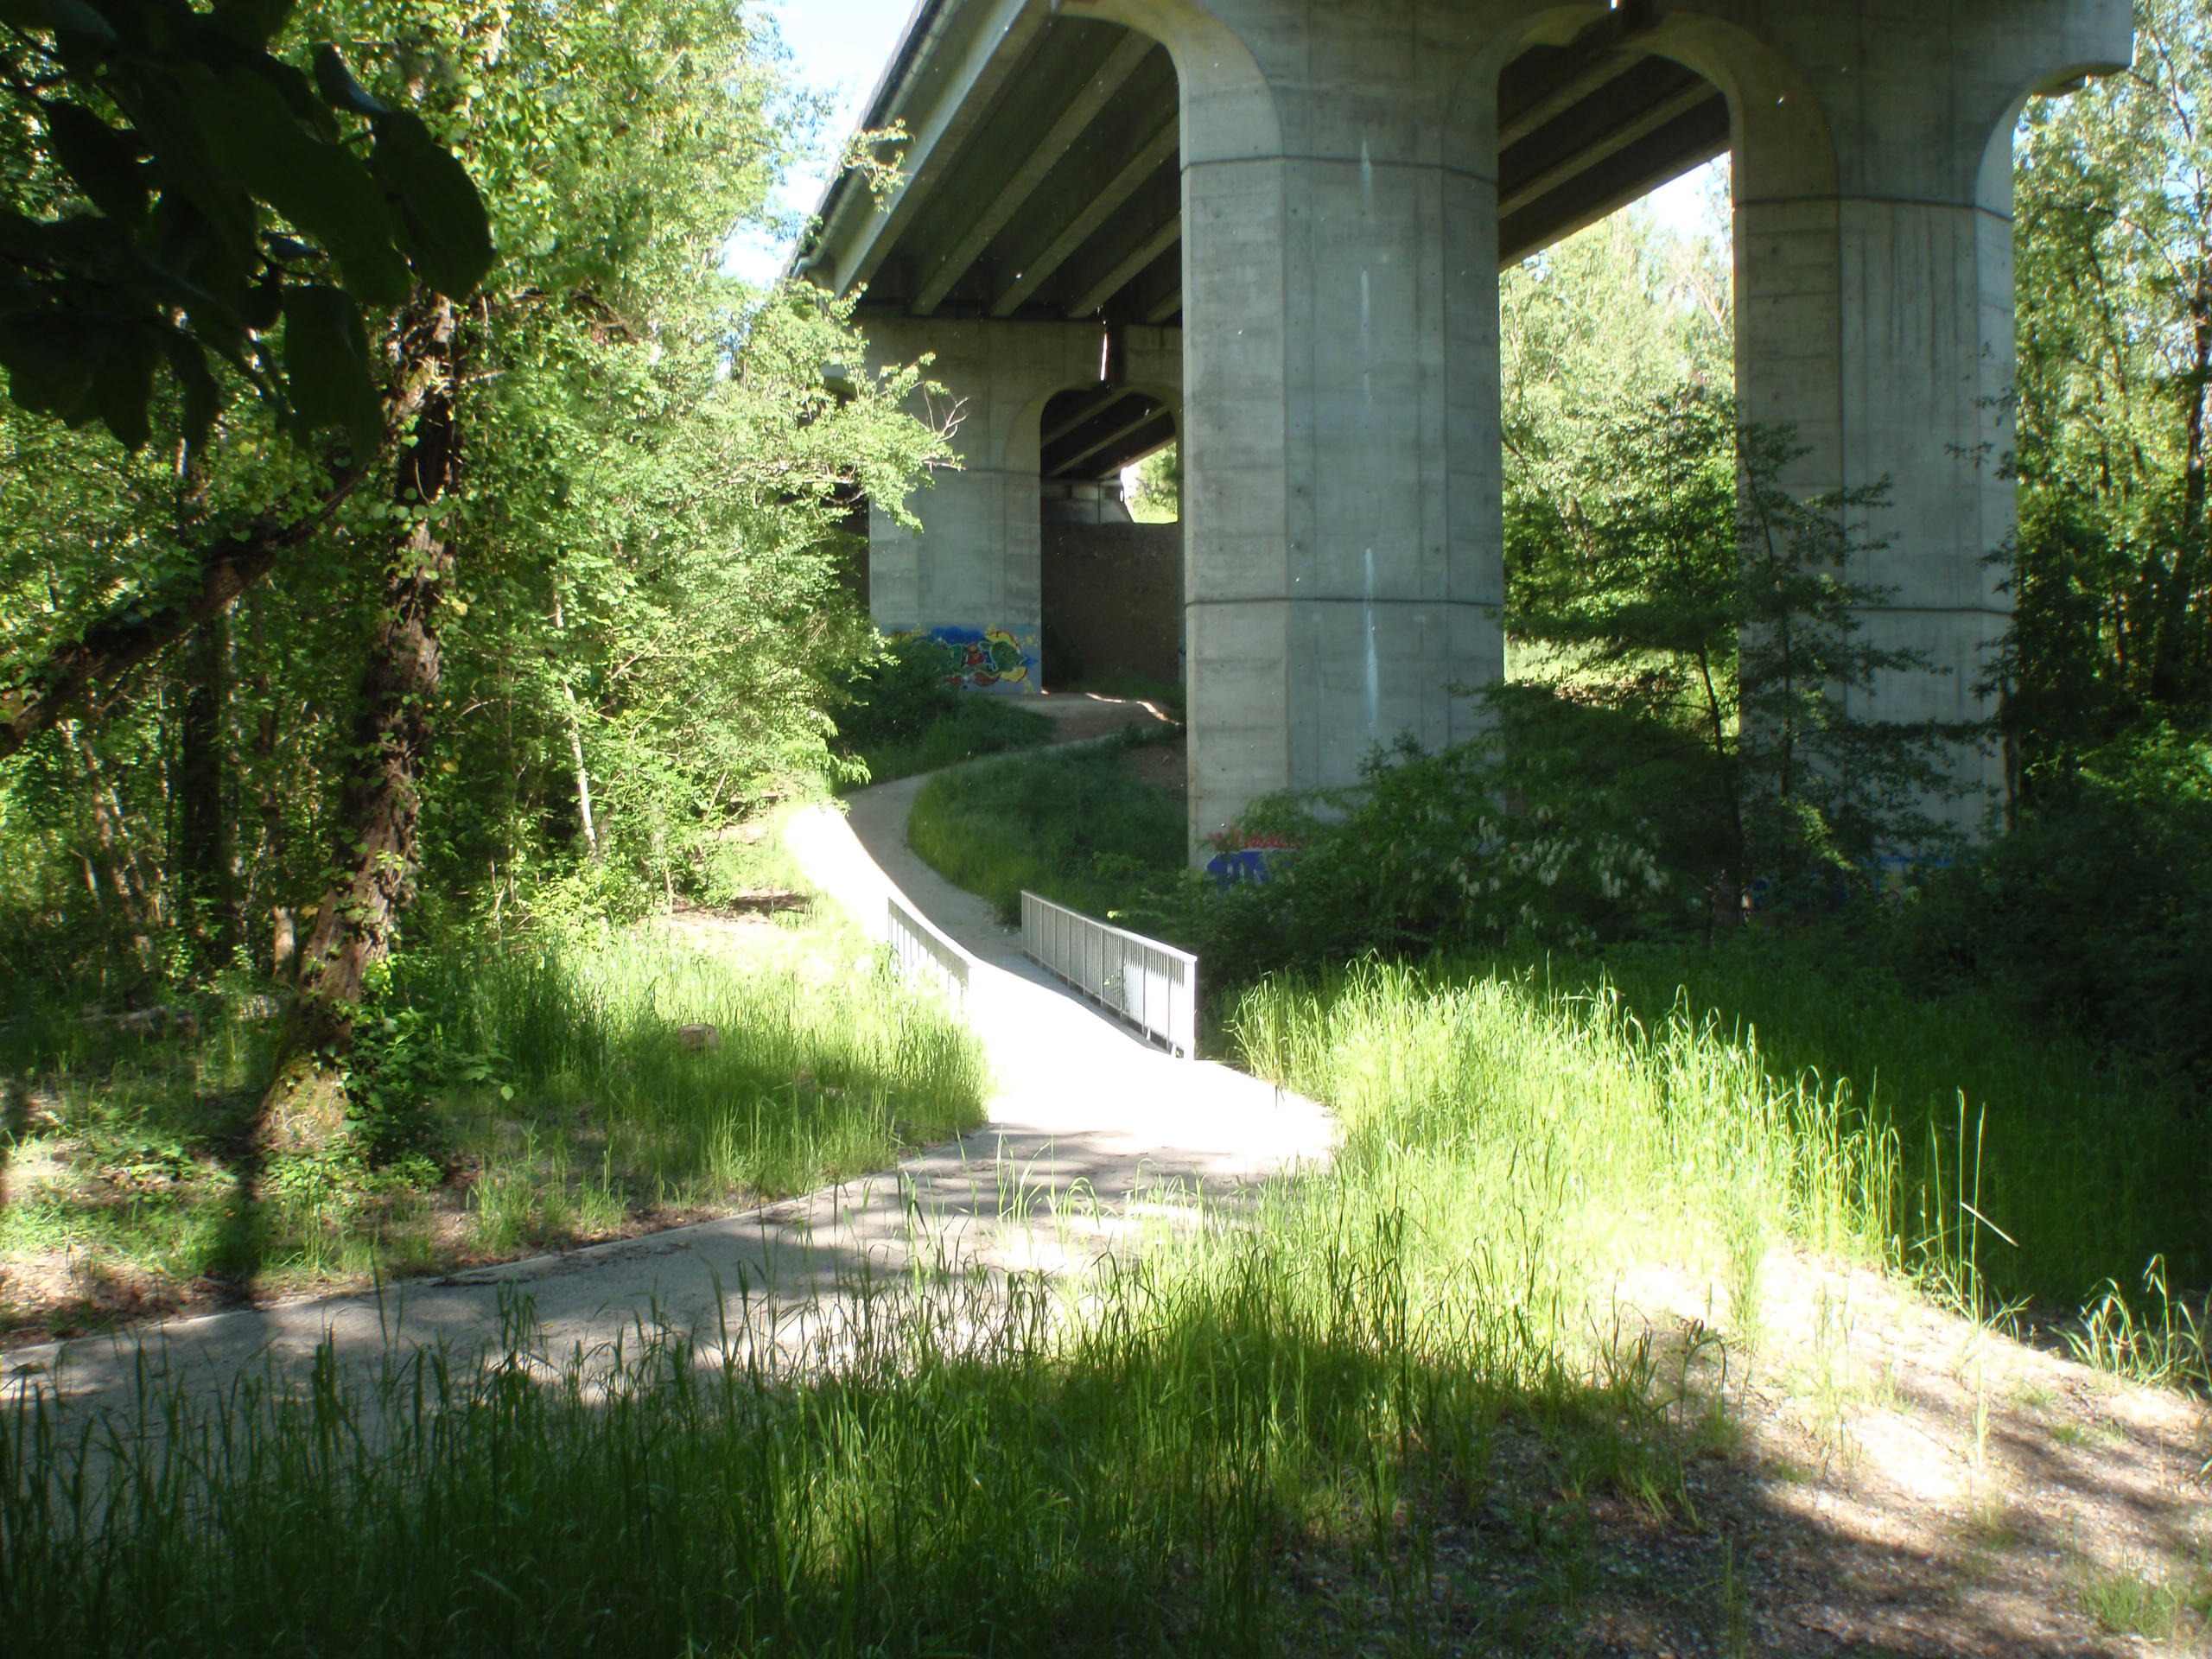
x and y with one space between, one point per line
1093 1139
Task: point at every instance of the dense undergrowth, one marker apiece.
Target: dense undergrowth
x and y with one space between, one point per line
902 717
529 1097
1420 1344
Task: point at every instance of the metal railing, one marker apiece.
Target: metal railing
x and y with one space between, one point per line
1149 985
926 956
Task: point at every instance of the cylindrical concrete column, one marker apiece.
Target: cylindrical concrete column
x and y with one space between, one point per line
1340 416
967 572
1873 242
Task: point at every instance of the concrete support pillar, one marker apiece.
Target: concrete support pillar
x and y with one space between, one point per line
1874 240
1340 449
967 571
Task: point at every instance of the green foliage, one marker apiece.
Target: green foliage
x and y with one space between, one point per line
901 715
402 1061
136 238
825 1064
2094 911
497 1103
2095 914
2089 1166
1157 496
900 695
1681 589
649 613
1397 1347
1598 325
2112 570
1682 746
1073 825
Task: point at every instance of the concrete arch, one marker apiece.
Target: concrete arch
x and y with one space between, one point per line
1024 435
1779 135
1470 139
1228 109
1153 364
1993 183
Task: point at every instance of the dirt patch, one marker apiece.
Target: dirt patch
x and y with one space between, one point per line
65 1293
745 928
1872 1478
1079 714
1909 1482
1161 766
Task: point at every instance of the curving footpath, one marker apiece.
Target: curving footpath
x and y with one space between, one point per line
1094 1140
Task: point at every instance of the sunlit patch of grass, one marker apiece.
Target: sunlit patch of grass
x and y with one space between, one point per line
2132 1598
1073 825
128 1183
2026 1166
818 1067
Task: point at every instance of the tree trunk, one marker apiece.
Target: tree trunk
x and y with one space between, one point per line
575 722
199 857
377 850
270 891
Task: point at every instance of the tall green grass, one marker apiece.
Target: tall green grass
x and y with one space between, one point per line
528 1098
1073 825
1369 1411
2084 1171
1548 1139
822 1065
2028 1166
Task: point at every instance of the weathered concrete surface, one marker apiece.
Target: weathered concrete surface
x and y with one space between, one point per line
974 561
1114 592
1340 237
1095 1142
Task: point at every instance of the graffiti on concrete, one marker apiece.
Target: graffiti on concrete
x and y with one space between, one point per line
989 660
1244 855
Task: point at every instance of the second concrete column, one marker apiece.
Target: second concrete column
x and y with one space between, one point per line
1341 493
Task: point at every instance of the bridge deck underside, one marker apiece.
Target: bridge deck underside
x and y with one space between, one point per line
1059 194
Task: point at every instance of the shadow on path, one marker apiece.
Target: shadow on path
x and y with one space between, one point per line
1094 1141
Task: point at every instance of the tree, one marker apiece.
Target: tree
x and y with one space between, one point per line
177 195
610 529
2112 570
1593 330
1679 591
1157 496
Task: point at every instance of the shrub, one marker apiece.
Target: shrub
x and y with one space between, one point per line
903 716
2095 913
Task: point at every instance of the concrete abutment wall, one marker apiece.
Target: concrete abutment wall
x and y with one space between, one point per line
1113 602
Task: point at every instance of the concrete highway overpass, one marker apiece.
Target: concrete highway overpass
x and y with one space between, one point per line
1273 229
